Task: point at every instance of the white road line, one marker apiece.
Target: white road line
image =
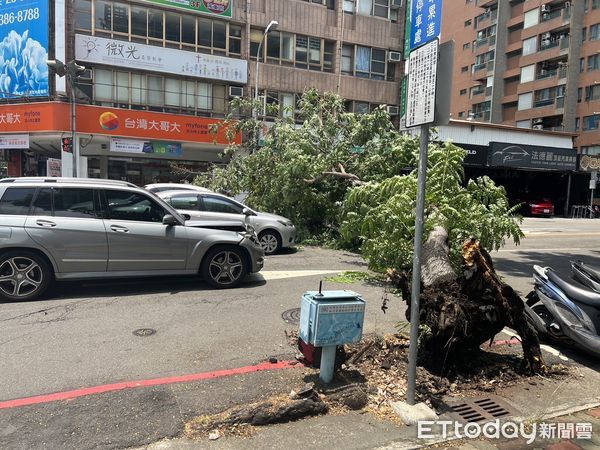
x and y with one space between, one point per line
564 249
282 274
510 333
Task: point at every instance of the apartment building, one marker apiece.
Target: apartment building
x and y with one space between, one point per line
159 75
528 63
531 64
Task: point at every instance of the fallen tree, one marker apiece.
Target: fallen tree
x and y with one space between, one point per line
461 312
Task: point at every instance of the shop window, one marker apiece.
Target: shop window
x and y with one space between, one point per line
103 84
172 27
83 14
103 14
139 21
120 18
155 24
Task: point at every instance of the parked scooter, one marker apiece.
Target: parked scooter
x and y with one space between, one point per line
586 275
564 311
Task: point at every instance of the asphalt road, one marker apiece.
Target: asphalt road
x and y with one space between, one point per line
83 335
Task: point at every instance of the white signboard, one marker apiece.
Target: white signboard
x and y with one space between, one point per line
422 76
126 145
14 141
112 52
53 167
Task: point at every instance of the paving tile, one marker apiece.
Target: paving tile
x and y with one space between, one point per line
513 444
594 412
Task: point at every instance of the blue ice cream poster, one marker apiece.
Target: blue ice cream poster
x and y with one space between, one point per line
23 48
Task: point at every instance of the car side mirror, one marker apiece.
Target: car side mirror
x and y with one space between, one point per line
247 212
169 220
186 216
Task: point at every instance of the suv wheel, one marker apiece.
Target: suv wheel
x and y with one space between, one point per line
224 267
23 275
270 241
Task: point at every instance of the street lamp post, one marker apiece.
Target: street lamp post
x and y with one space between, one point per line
71 70
271 27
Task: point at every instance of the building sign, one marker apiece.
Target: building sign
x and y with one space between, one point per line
14 141
477 155
23 48
53 167
532 156
167 149
425 21
149 125
589 163
54 117
112 52
222 8
422 77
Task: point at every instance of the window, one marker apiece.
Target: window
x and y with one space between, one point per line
464 69
122 87
463 92
126 205
82 10
366 62
527 73
155 91
70 202
381 8
592 93
525 101
329 3
577 123
120 18
16 201
523 123
42 205
591 122
235 39
220 205
461 114
595 32
579 94
204 96
349 6
593 63
595 4
583 34
155 24
530 46
172 92
103 84
172 27
188 201
466 46
188 30
274 45
581 64
255 39
139 21
531 18
468 23
347 59
103 16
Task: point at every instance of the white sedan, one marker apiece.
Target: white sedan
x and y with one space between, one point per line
274 232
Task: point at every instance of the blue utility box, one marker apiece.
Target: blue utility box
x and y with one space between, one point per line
331 318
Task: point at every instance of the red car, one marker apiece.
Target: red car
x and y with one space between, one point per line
542 207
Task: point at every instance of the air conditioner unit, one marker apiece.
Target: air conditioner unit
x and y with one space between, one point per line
545 8
236 91
546 36
394 56
396 4
393 110
538 126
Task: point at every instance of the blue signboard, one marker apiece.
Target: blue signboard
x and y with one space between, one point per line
24 30
425 21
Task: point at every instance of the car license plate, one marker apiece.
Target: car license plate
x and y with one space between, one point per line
546 211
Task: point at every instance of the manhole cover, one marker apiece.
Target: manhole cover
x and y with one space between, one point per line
481 409
143 332
291 316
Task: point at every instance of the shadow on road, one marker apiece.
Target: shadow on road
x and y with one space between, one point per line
523 265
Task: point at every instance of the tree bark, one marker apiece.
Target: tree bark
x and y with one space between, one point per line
463 312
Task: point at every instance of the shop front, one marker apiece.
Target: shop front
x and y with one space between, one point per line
136 146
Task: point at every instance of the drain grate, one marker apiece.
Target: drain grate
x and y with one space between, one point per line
291 316
143 332
482 409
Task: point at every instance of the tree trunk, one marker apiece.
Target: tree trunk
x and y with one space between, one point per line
461 313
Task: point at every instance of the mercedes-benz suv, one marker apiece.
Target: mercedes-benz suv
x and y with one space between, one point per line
69 228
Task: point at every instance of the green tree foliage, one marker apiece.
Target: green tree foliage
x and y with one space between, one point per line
352 176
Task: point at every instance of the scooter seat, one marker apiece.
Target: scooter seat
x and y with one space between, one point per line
591 271
575 291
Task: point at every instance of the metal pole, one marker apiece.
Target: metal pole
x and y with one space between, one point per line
416 270
592 205
255 110
568 200
74 149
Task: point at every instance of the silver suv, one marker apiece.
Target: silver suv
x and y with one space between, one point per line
68 229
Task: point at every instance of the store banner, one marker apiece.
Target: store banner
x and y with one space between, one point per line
589 163
14 141
477 155
532 156
53 167
24 30
55 117
161 148
150 125
221 8
124 54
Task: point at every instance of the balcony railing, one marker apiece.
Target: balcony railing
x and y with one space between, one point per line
482 115
478 91
478 67
550 15
544 102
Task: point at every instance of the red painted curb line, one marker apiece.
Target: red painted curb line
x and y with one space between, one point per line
67 395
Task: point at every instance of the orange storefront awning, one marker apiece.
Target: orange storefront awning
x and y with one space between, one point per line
55 117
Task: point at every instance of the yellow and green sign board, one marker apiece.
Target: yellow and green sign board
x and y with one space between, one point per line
221 8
